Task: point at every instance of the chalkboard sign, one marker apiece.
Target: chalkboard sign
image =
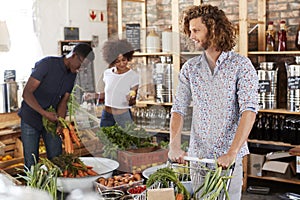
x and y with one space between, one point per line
71 33
9 75
85 77
133 35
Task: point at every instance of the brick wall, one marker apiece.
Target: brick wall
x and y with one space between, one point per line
159 16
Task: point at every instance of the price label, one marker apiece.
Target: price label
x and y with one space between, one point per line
264 86
293 82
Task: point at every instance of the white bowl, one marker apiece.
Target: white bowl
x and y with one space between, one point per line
147 172
103 166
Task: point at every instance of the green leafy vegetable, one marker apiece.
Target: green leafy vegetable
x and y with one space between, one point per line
49 126
115 137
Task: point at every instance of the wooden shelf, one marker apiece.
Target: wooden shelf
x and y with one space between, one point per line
142 1
165 131
293 181
142 54
267 142
272 52
151 102
279 111
191 53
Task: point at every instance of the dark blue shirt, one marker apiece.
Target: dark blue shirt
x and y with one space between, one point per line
55 81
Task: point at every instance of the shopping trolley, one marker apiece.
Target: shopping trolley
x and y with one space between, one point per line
192 175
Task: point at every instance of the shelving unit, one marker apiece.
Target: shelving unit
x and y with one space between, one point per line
261 55
244 23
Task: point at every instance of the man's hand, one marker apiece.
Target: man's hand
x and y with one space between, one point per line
51 116
226 160
176 155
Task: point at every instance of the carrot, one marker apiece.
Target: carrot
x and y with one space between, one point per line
73 134
71 175
91 172
67 141
85 173
179 196
88 167
65 173
80 173
76 164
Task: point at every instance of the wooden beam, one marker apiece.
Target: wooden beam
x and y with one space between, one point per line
243 27
120 18
176 42
261 12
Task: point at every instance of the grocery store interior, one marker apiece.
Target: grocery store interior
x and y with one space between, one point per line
267 32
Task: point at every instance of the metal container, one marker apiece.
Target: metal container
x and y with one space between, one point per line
112 194
267 66
267 96
293 87
162 79
9 100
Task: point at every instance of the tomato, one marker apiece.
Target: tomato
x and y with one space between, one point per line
137 189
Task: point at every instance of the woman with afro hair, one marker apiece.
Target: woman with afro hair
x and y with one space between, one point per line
120 84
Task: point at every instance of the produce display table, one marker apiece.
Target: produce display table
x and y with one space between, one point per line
10 143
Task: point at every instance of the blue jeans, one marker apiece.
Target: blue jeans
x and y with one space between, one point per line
31 139
108 119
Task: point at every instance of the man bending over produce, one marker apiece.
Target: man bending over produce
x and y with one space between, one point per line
45 96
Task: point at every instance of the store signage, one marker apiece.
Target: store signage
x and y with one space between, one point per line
133 35
97 15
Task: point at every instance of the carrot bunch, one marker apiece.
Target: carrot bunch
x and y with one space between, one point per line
79 170
72 167
68 133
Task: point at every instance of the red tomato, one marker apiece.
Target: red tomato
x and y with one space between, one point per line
137 189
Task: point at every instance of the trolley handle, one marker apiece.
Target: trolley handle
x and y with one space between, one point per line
203 160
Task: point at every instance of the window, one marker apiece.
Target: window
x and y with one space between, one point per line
25 49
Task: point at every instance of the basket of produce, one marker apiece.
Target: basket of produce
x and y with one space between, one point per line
118 182
200 179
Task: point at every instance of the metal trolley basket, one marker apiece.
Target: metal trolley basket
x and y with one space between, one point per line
192 177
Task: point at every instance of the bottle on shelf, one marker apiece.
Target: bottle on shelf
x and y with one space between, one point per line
297 41
282 39
270 37
153 42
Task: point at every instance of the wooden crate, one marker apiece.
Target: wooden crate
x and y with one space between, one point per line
137 160
13 147
90 144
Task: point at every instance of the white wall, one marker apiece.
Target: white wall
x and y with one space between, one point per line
53 15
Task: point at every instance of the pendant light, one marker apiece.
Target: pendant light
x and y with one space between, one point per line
4 37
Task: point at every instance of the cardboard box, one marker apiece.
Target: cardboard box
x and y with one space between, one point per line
255 164
136 160
279 164
277 169
296 152
297 164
